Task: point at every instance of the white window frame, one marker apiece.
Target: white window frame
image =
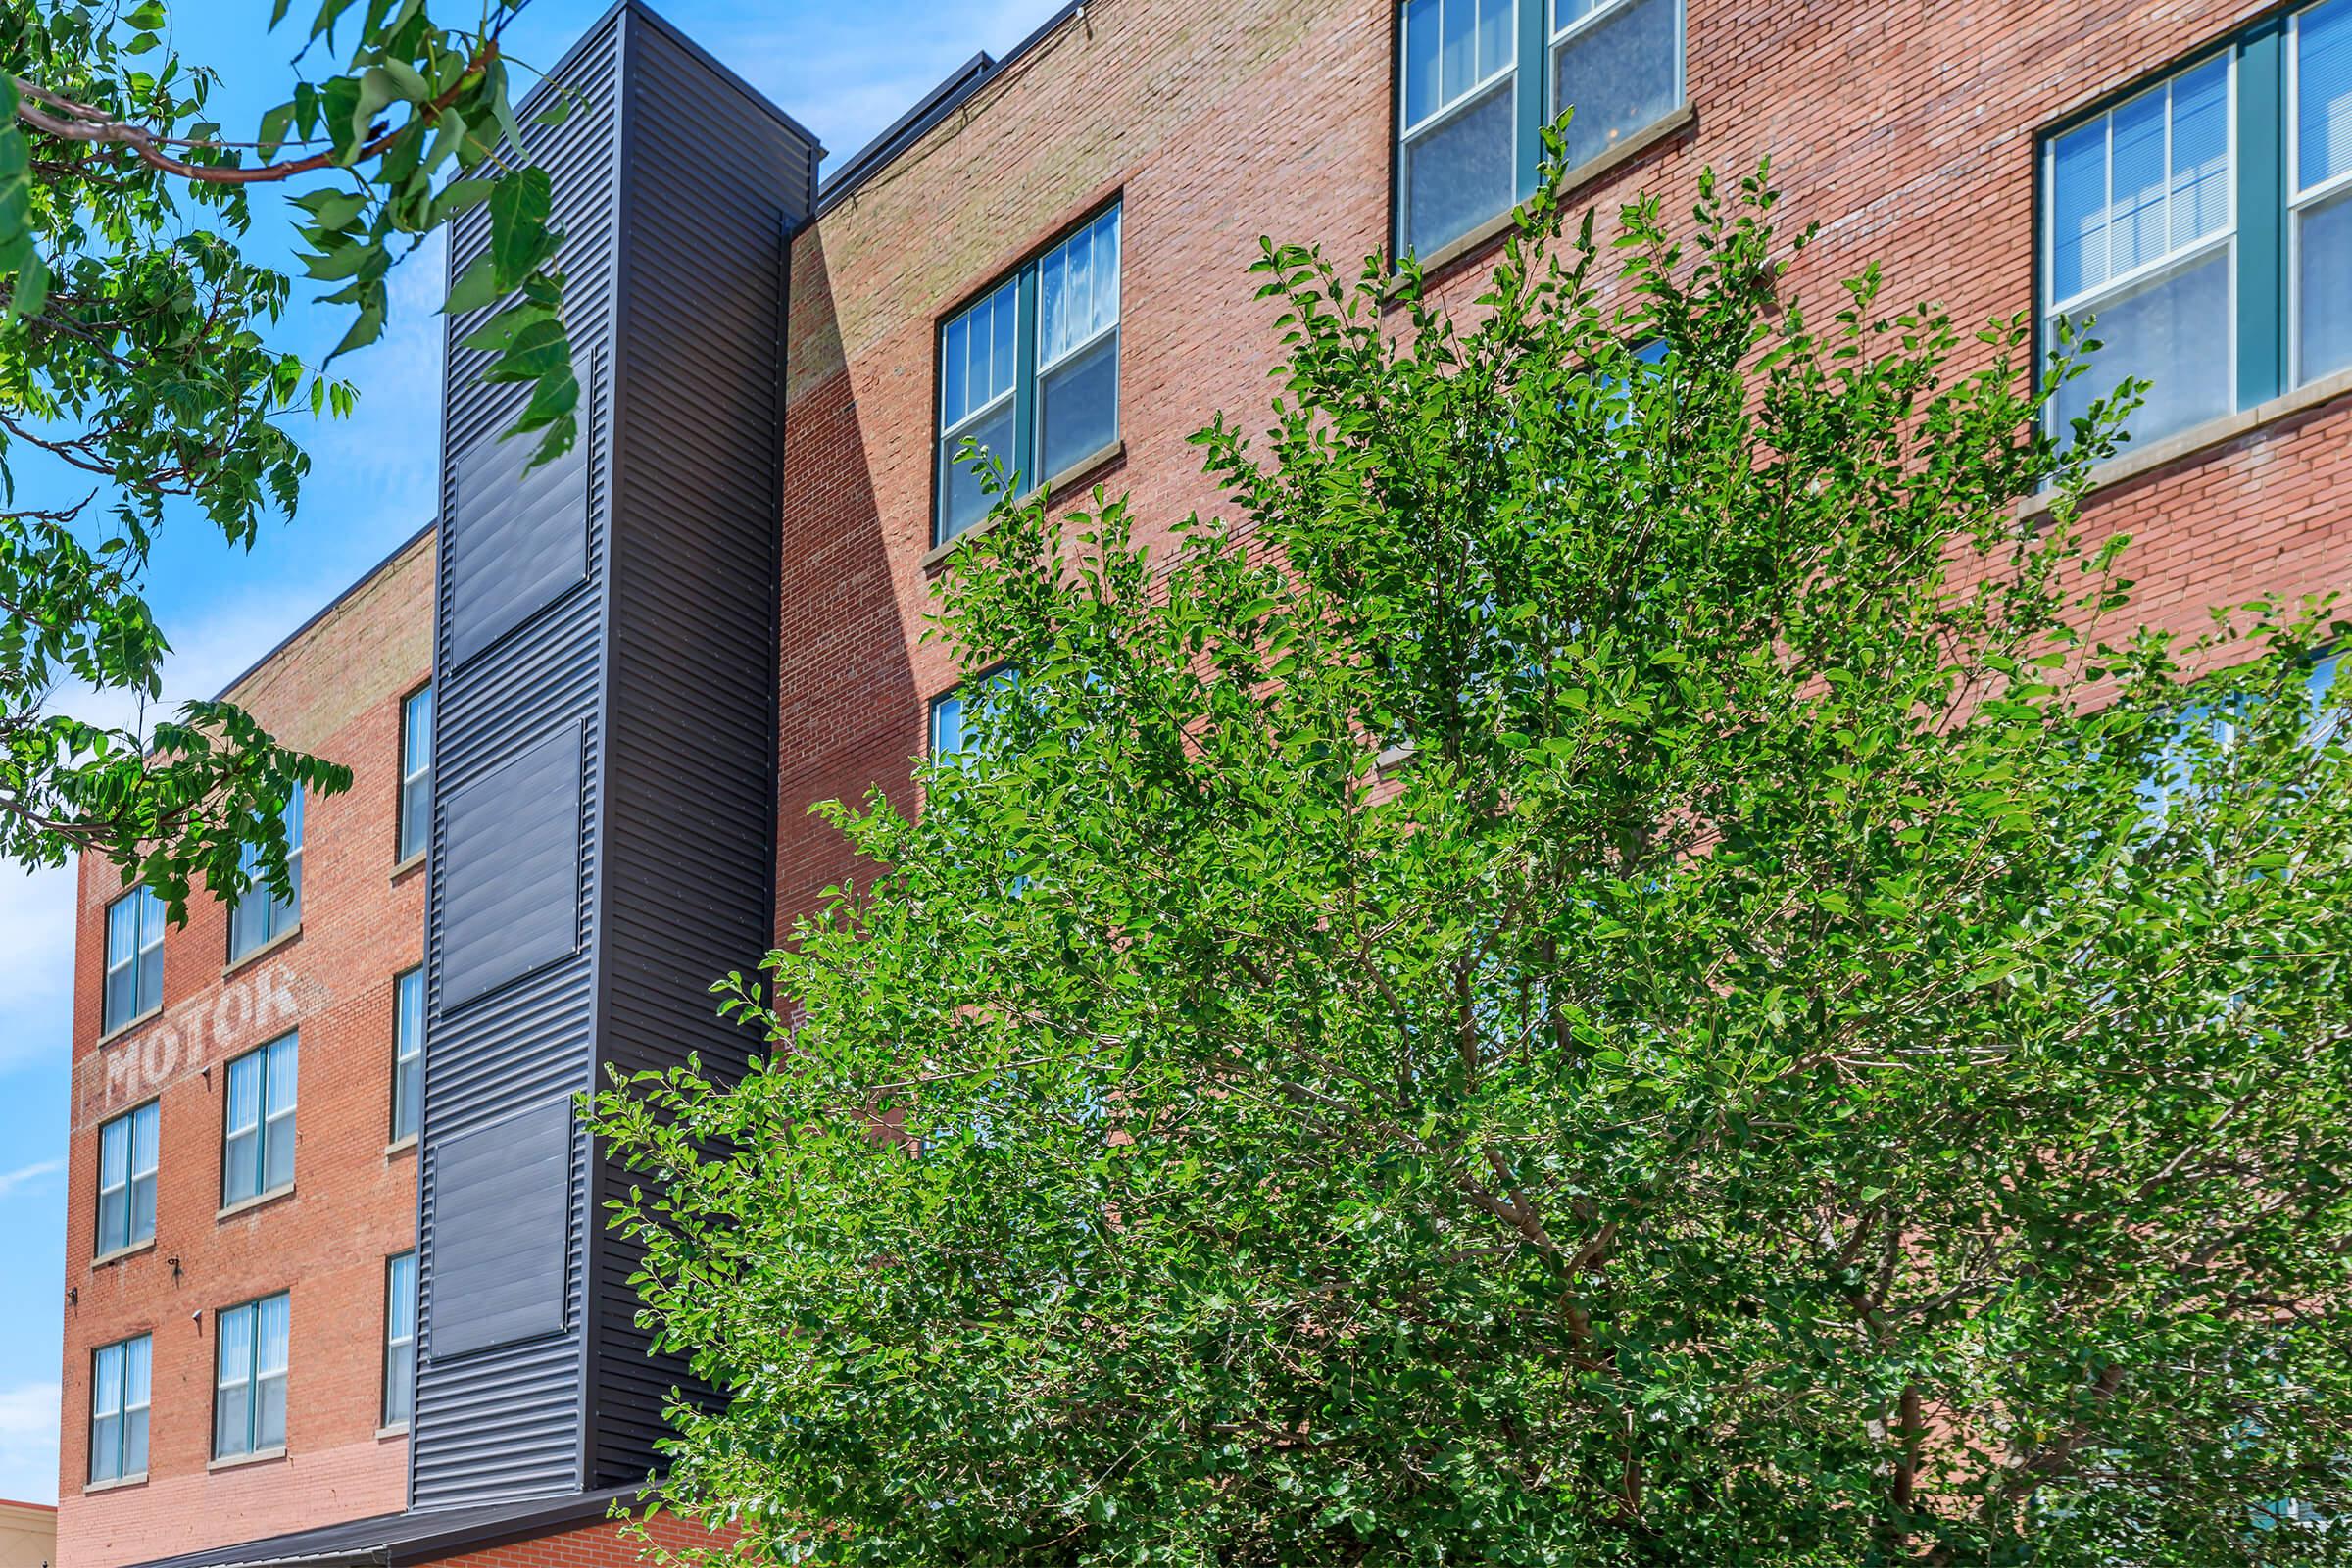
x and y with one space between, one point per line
2299 200
2175 259
255 1375
399 1346
145 908
152 1113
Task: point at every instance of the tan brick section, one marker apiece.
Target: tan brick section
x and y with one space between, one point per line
335 689
1907 129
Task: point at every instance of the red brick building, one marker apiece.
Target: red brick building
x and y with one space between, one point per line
1050 253
192 1239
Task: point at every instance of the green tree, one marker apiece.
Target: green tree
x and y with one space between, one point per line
135 356
1632 963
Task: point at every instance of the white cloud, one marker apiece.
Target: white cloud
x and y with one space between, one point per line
26 1175
28 1443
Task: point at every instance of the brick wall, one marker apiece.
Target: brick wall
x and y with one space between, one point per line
600 1545
1906 129
336 690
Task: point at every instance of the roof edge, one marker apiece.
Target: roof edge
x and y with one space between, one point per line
932 108
327 608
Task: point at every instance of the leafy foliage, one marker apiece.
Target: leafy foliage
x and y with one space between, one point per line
133 348
1634 963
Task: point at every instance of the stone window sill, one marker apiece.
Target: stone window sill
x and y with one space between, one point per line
246 959
132 1024
238 1461
401 1145
116 1484
1490 233
398 1429
246 1206
1102 457
401 871
121 1252
2200 438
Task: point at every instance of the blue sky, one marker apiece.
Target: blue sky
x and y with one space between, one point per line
843 70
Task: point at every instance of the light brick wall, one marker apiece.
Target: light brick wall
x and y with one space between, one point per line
1906 129
335 690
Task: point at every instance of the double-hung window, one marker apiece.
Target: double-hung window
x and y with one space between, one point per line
951 713
408 1052
256 1148
1029 373
134 958
126 1166
415 773
119 1374
2319 185
2205 222
1478 81
399 1339
2141 237
260 915
249 1387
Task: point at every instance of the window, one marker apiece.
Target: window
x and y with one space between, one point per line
127 1180
1030 373
949 738
249 1389
399 1339
257 1153
260 915
1469 140
2141 236
408 1052
118 1378
1620 64
135 958
415 773
2206 222
2320 179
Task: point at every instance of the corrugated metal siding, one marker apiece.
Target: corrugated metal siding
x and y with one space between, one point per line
505 1422
698 505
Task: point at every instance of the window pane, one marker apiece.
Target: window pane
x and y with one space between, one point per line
2137 232
947 725
1621 74
137 1357
114 1154
276 1320
114 1219
143 1126
142 1210
281 1074
1078 407
244 1091
2322 93
1458 50
270 1413
122 930
2200 153
134 1442
416 739
105 1382
2324 288
277 1155
232 1420
2078 172
151 978
121 996
2172 331
1460 174
408 1052
106 1447
965 503
1003 307
1493 35
1420 61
